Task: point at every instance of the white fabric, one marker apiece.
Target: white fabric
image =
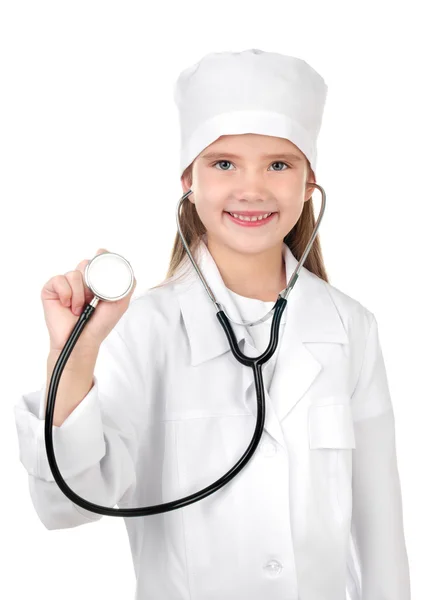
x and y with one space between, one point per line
171 411
249 92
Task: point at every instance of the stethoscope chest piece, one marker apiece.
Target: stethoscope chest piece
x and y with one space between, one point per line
109 276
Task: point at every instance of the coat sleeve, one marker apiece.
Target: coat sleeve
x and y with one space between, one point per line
95 447
377 521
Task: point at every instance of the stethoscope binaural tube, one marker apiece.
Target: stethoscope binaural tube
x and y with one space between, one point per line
98 278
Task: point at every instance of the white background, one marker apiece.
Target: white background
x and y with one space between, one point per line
89 147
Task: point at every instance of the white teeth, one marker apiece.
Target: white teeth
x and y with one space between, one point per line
244 218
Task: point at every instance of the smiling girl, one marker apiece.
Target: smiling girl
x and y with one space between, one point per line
159 408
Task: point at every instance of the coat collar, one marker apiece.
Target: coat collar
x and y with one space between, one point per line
311 316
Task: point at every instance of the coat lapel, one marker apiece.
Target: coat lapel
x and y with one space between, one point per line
311 316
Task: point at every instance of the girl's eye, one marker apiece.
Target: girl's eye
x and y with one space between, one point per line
279 162
222 161
227 161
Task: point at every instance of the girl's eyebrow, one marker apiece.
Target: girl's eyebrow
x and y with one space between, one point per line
287 155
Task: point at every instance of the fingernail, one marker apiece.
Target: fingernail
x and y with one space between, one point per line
77 310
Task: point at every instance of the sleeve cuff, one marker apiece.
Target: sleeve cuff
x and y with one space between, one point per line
78 443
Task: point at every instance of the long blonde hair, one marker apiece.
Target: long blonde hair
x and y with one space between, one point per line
296 239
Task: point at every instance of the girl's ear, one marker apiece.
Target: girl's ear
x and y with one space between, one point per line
309 192
184 183
310 189
186 186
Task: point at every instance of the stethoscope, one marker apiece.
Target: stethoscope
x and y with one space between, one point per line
110 277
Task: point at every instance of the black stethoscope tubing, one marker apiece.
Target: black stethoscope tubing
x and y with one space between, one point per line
254 362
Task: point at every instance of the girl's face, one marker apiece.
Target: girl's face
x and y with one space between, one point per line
249 173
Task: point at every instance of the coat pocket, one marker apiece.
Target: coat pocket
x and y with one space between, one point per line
331 440
330 426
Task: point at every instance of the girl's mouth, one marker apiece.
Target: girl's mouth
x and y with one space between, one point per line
245 222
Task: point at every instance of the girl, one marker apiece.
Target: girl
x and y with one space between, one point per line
155 407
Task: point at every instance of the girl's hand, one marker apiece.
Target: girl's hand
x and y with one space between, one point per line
64 298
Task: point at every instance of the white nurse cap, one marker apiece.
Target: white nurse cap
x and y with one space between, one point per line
253 91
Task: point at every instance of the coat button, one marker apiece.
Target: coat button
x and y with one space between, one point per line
268 449
273 568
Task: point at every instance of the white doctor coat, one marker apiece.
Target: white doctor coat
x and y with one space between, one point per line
317 512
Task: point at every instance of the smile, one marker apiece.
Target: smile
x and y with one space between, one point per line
251 221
